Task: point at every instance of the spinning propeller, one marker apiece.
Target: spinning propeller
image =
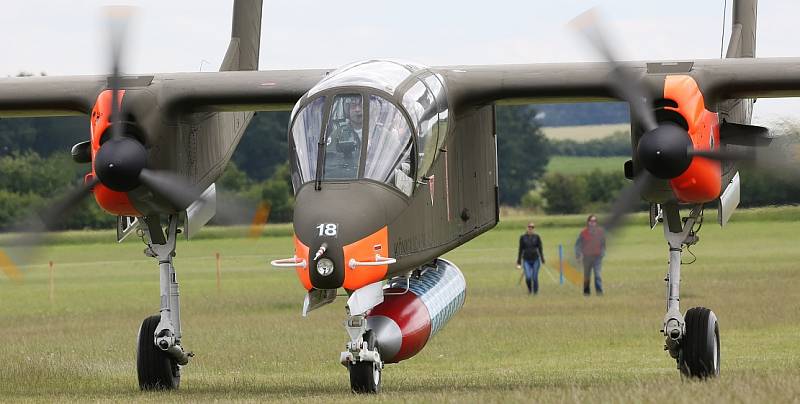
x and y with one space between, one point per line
665 149
121 162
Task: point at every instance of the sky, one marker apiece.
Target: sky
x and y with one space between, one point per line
65 38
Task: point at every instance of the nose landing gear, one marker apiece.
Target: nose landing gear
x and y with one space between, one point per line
362 358
692 340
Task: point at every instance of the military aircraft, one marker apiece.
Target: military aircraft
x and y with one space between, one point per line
393 165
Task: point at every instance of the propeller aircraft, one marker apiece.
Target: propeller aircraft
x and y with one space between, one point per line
394 164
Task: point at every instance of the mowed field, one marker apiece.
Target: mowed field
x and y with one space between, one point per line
252 344
582 133
581 165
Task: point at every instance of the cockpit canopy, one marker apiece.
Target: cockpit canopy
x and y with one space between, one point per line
379 120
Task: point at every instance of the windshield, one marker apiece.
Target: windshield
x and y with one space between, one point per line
306 130
389 148
384 133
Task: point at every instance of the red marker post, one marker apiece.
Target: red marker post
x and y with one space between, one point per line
219 286
52 284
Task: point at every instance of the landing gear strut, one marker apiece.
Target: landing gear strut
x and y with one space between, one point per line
693 340
159 354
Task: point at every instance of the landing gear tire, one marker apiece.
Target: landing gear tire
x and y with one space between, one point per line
365 377
699 356
156 370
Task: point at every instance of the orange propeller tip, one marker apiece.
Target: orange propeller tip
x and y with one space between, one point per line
586 19
9 268
119 11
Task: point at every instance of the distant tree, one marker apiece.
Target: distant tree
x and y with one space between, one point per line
277 193
45 136
586 113
564 193
264 145
233 179
604 186
616 144
522 151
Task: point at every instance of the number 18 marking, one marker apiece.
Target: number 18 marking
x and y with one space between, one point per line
327 229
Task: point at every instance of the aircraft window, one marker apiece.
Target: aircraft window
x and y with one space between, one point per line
389 156
305 132
422 107
434 84
343 138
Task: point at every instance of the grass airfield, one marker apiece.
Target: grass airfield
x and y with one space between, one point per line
253 345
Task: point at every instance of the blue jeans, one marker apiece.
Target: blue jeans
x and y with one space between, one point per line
592 263
532 275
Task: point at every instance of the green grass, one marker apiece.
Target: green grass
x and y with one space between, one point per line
253 345
580 165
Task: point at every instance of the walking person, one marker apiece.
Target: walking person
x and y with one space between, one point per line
530 256
590 247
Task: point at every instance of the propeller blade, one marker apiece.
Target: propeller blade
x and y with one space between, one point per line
65 205
625 82
627 200
171 187
119 18
31 231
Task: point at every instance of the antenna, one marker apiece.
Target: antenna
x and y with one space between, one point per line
724 15
202 61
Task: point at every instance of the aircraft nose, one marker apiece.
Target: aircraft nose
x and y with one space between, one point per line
345 229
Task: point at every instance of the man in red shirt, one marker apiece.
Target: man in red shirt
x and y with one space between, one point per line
591 247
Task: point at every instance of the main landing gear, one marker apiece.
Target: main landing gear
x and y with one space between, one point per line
693 340
159 354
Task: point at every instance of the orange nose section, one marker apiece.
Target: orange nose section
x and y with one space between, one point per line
361 261
366 250
301 252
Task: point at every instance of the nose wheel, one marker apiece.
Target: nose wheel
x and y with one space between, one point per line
365 375
155 368
699 356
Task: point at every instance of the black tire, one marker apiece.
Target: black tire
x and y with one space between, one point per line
156 370
365 377
700 355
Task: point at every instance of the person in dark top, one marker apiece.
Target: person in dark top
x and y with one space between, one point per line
530 256
591 247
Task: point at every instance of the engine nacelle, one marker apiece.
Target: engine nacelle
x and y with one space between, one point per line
405 322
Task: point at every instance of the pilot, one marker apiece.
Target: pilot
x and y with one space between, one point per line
347 136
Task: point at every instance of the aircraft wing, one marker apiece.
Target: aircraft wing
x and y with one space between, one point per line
267 90
49 96
719 79
176 92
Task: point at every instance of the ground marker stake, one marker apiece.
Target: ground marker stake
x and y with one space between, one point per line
219 288
52 284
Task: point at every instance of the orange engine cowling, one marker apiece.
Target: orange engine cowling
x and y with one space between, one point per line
116 203
702 180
